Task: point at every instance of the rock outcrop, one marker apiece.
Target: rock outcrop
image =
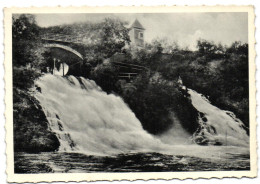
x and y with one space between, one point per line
31 131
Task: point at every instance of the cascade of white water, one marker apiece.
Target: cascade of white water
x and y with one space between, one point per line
88 120
217 126
95 121
56 126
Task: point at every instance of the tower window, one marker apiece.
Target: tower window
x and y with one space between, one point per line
141 35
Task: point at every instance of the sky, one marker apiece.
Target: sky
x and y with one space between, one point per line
183 28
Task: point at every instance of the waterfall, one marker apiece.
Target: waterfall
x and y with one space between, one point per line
87 119
217 126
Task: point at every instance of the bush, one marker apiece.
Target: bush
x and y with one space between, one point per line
105 75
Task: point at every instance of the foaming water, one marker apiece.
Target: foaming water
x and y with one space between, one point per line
90 121
176 135
216 125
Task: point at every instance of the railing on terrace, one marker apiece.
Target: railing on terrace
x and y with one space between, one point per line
127 75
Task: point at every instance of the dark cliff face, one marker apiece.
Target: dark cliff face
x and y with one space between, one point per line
31 132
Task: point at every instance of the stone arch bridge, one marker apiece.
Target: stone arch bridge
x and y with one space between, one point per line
68 49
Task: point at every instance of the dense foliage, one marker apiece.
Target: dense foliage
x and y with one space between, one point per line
159 103
219 72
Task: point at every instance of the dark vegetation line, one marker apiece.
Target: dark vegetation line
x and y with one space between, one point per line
217 71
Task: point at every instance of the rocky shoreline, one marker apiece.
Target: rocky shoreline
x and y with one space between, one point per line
31 129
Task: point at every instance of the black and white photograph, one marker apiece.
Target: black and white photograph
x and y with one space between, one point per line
131 92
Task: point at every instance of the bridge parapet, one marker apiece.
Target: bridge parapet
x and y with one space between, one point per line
63 38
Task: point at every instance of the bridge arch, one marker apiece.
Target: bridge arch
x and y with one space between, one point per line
64 47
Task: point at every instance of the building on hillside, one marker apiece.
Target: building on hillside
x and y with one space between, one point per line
136 34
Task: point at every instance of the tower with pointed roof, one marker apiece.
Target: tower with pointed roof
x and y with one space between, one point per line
136 34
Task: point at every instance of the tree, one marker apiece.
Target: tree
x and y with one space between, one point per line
113 37
25 27
206 47
238 48
25 33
